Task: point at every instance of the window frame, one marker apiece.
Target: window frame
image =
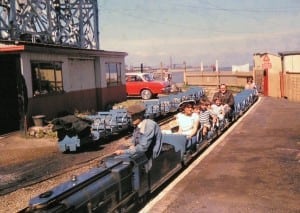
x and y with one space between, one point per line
42 69
110 80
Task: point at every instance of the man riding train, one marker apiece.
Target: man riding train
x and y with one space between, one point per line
147 136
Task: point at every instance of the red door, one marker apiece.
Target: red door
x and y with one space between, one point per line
265 81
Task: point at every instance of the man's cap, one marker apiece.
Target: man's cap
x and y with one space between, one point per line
136 109
186 102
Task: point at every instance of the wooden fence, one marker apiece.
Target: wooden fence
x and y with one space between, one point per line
291 86
235 79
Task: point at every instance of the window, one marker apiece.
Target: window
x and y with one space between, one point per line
46 77
113 74
138 78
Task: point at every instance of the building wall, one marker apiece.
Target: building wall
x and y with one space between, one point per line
274 76
79 75
110 94
271 65
291 76
111 59
84 83
27 57
291 63
58 104
283 74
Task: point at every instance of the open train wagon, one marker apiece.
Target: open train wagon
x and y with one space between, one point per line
121 182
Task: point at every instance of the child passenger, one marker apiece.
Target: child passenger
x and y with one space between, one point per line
204 117
250 84
217 111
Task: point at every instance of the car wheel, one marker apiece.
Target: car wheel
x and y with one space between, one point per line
146 94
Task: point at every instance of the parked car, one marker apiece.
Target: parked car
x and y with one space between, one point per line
144 85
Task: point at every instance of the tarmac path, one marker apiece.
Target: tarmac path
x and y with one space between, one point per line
255 168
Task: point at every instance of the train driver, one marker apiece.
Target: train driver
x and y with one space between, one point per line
147 136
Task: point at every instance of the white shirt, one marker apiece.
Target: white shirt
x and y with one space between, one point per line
186 123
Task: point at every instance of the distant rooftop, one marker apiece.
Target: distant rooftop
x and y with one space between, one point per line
289 53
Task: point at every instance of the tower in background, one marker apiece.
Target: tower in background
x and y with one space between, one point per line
59 22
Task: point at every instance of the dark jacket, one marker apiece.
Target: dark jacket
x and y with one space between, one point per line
226 98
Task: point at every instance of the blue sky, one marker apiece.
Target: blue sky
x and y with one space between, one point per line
230 31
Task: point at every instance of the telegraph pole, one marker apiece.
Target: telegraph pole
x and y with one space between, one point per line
184 74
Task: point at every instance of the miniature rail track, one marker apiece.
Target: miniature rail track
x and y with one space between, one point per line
189 150
24 175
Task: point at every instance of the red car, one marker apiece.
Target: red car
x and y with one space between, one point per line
143 84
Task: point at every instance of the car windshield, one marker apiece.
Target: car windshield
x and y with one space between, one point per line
148 77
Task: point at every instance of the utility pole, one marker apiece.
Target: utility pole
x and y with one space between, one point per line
161 71
184 74
217 71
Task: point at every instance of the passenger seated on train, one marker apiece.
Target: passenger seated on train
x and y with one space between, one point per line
226 98
147 136
250 84
218 112
187 120
204 117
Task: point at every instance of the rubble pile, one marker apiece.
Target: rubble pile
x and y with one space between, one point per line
42 131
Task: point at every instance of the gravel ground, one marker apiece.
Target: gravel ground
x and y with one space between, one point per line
30 166
34 166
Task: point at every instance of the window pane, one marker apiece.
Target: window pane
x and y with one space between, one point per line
58 75
46 77
113 74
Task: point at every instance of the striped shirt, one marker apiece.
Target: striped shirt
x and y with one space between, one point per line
204 117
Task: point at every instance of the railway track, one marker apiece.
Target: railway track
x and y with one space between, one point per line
47 168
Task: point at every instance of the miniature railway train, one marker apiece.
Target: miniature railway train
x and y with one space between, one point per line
75 132
120 182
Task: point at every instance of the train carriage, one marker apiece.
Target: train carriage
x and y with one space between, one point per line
120 182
